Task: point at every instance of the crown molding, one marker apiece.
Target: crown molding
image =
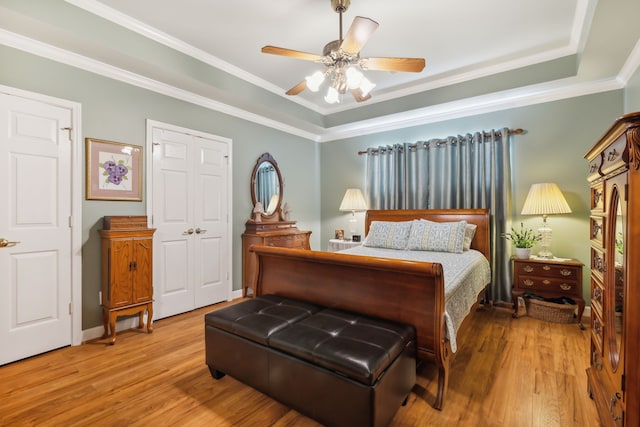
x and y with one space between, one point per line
530 95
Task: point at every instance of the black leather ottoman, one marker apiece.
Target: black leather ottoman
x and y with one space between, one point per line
339 368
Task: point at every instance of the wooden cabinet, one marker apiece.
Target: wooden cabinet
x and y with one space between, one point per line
127 285
614 373
283 234
549 279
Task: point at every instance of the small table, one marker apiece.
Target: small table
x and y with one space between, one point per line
336 245
548 278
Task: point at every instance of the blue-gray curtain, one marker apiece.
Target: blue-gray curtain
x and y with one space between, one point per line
464 172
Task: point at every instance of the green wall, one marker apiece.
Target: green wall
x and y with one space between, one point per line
558 134
116 111
632 93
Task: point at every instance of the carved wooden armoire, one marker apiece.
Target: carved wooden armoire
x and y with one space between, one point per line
614 176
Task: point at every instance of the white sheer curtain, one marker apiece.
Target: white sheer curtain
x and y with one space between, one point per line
471 171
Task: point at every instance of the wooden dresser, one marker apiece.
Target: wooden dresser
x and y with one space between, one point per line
127 285
280 233
614 372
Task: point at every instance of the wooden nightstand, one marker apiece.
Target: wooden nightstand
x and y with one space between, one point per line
548 278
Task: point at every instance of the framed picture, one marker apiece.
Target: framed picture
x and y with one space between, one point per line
339 234
114 170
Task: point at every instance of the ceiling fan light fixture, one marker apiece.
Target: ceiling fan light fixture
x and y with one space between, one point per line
332 97
354 78
366 86
314 81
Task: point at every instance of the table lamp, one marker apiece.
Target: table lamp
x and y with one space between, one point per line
545 199
353 201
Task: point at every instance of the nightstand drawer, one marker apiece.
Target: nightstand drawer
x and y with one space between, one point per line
547 284
547 270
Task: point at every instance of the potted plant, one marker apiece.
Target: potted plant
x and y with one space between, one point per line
523 240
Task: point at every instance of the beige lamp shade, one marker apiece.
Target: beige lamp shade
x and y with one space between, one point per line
545 199
353 201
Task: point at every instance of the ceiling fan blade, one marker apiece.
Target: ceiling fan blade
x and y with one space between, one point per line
414 65
359 33
297 88
357 95
274 50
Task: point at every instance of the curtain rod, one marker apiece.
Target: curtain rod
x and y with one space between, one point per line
444 141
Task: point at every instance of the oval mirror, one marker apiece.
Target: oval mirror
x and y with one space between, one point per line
616 292
266 186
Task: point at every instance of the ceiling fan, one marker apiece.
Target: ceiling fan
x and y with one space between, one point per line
343 62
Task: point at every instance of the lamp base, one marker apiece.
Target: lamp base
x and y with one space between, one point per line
545 242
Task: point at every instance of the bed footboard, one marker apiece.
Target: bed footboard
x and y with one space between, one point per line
409 292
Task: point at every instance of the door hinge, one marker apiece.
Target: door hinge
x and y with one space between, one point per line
70 221
68 129
70 308
623 382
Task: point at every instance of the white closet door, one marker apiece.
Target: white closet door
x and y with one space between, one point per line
35 190
190 213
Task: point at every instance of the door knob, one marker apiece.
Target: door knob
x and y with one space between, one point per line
4 243
189 231
200 230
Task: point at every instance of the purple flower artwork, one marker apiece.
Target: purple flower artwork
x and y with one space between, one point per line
116 168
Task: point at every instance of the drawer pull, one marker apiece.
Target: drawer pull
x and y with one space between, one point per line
546 282
546 267
528 282
528 268
597 229
565 272
612 155
612 404
565 287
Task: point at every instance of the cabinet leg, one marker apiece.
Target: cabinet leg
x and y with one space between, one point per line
105 323
149 316
112 327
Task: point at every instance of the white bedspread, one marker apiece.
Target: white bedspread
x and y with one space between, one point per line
465 276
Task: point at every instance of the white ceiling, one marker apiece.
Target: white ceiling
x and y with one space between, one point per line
459 39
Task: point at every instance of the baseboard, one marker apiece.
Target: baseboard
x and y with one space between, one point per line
130 323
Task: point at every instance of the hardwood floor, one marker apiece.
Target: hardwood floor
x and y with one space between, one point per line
507 372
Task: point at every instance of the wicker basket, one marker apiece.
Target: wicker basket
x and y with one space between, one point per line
551 312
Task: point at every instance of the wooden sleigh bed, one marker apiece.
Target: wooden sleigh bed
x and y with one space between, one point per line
410 292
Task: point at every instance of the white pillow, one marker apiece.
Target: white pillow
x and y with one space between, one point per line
388 234
437 236
469 232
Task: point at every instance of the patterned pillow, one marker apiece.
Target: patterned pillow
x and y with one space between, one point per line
469 232
437 236
388 234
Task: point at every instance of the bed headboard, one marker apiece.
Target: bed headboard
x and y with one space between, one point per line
481 241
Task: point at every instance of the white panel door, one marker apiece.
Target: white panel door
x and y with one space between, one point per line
211 280
35 190
190 214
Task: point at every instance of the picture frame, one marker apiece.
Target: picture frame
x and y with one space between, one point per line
339 234
113 170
